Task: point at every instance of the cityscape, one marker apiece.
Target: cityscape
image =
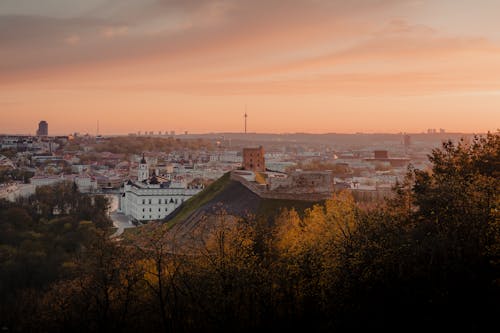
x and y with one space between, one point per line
367 165
249 166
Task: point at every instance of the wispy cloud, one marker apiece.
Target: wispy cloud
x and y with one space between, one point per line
160 26
229 48
72 40
112 32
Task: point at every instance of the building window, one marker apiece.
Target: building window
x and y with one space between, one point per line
159 201
159 209
150 209
143 201
143 210
166 209
150 201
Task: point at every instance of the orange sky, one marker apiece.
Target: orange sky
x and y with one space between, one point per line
299 66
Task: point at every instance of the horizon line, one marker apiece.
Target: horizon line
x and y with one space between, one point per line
180 134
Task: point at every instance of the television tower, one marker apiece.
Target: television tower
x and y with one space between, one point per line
246 116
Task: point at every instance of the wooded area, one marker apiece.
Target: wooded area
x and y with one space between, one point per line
427 259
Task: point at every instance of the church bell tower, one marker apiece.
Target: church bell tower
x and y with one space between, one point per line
143 173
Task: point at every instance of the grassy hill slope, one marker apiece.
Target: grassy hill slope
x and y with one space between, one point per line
194 203
235 199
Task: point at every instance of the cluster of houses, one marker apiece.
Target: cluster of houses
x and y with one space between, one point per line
154 184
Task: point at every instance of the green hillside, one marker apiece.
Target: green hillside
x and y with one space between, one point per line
200 199
235 199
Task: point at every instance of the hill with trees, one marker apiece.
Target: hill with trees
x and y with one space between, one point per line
138 145
233 199
428 259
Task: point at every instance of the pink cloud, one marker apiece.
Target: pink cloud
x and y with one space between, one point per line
72 40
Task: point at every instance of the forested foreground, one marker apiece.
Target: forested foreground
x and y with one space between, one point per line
428 259
39 239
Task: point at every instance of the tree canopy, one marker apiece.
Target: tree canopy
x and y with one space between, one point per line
427 259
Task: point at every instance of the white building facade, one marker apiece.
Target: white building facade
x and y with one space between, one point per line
153 198
85 184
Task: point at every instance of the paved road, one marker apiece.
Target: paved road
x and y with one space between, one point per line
121 222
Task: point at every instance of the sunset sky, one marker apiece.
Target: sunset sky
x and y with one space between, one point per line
299 66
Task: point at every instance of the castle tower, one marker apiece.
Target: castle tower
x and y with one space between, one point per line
143 173
253 159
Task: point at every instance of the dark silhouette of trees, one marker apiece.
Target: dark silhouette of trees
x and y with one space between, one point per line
39 236
427 259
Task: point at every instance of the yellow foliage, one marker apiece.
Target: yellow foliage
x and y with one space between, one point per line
259 178
341 214
289 230
230 240
150 271
322 226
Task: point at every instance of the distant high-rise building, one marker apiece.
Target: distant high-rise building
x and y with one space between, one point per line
43 128
406 142
442 131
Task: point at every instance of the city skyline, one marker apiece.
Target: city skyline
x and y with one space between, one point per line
317 67
42 130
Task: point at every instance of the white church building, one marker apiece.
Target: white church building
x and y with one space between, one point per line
153 197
